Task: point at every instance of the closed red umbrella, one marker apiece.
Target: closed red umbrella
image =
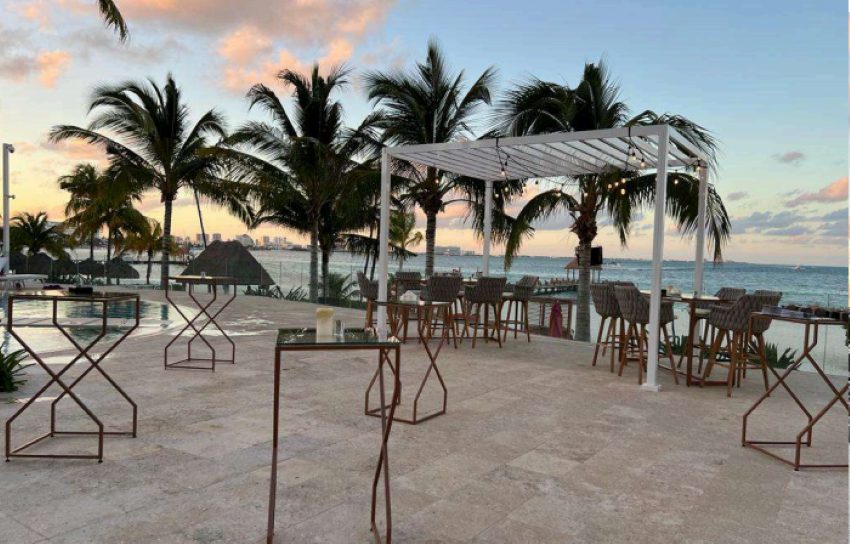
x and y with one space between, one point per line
556 320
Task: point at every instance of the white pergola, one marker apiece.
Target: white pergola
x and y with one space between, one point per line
558 155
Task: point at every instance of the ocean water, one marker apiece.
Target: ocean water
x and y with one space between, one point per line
822 285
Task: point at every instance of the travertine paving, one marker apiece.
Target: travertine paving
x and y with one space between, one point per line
537 447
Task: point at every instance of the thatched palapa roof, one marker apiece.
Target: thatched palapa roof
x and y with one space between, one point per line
229 259
118 269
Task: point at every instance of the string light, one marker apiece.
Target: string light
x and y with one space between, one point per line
623 191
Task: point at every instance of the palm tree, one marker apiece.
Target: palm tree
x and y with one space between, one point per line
83 183
147 135
539 107
302 163
36 233
110 205
147 240
113 18
425 106
403 232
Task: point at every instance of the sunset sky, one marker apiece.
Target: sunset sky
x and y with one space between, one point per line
768 78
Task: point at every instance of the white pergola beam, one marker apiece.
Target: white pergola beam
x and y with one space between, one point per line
657 264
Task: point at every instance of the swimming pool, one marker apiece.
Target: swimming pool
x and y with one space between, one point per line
154 317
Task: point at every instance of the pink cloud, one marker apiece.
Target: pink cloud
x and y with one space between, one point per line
76 150
304 22
834 192
244 45
36 11
51 65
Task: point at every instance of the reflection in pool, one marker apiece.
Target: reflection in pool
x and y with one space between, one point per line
154 317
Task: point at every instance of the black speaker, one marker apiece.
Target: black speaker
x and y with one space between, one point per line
596 256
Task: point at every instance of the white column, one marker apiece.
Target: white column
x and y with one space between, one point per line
699 257
8 149
488 225
384 239
657 261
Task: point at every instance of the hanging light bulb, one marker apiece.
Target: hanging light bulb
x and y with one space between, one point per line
642 163
622 181
623 191
676 181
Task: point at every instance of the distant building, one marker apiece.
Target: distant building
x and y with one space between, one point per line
280 241
267 241
216 237
201 238
245 240
449 251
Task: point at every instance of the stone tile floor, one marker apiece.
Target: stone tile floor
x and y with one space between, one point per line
537 447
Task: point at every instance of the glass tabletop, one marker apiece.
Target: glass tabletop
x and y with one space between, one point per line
64 294
413 303
352 338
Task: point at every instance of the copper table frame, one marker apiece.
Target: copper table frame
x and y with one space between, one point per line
56 377
810 340
398 313
387 415
212 282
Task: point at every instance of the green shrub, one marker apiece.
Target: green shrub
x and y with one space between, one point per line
10 370
771 352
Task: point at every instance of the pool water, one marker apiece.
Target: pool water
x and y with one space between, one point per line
153 317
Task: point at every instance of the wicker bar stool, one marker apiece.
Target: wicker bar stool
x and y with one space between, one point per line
726 295
733 325
485 294
605 304
444 288
369 291
634 308
517 301
407 281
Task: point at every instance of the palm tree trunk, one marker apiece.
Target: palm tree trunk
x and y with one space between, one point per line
108 255
326 259
583 303
369 252
91 247
314 262
166 242
150 265
430 239
201 219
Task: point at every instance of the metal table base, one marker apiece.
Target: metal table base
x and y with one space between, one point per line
83 352
804 436
206 319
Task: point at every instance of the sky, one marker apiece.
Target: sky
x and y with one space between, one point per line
768 78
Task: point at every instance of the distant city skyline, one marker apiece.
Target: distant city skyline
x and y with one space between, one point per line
770 82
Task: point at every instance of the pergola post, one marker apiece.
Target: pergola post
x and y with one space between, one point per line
488 226
699 257
384 239
657 261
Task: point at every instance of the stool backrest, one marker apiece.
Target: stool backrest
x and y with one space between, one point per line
487 290
442 288
737 316
525 287
730 293
633 306
766 298
604 300
409 281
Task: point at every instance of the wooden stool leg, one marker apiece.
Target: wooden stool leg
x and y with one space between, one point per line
599 340
669 351
525 320
624 348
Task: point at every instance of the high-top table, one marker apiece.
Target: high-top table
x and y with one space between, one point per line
811 326
212 283
97 299
353 339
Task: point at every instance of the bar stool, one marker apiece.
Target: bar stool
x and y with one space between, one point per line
517 301
733 325
369 291
726 295
485 294
407 281
634 308
444 288
605 304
